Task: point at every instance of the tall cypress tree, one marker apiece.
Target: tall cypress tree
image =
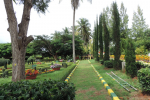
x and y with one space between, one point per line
116 36
96 40
106 39
100 36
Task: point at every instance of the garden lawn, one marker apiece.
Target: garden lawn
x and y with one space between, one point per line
55 75
119 90
87 83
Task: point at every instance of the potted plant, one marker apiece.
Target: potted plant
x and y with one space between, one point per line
31 74
56 67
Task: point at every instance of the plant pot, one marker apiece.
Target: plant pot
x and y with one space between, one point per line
56 68
31 77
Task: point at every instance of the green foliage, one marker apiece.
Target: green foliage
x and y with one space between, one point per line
102 61
139 25
64 65
130 57
5 50
144 79
100 36
44 90
83 28
108 63
30 60
106 39
3 62
116 35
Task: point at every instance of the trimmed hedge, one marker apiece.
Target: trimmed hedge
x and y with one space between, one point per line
67 71
144 79
108 63
41 90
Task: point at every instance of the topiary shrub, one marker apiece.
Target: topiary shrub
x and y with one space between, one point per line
30 60
144 79
41 90
108 63
3 62
64 65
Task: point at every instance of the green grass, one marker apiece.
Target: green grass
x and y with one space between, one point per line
118 90
87 84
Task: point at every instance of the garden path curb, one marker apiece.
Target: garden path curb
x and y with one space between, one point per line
106 86
67 79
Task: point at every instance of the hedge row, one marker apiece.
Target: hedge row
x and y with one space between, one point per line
40 90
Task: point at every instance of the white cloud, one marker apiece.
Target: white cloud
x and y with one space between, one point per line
61 15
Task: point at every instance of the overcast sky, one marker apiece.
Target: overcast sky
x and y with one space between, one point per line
60 15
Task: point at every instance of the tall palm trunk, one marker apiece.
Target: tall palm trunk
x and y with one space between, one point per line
73 42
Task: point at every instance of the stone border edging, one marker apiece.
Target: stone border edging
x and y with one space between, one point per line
110 91
67 79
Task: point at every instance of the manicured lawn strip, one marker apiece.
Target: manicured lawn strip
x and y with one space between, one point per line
110 91
56 75
67 79
87 84
118 90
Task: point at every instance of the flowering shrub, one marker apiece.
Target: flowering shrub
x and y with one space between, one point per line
31 72
55 66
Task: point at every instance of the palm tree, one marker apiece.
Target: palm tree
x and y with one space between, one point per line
84 29
66 30
75 5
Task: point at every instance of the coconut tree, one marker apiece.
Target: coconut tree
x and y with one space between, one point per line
75 5
84 29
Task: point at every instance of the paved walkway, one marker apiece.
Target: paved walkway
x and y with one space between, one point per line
87 83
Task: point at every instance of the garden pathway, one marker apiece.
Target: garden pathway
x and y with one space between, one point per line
87 84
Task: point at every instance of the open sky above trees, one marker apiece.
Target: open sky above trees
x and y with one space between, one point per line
60 15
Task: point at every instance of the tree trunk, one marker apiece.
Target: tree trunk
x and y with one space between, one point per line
19 39
73 42
55 56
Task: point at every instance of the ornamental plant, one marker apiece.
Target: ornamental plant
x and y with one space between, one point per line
31 72
55 66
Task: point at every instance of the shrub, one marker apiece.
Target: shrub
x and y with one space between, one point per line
108 63
55 66
3 62
144 79
64 65
41 90
131 68
102 61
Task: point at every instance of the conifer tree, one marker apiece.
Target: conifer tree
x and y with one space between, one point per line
106 39
100 36
131 68
116 36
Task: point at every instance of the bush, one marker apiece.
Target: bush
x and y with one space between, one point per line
144 79
41 90
102 61
131 68
108 63
64 65
3 62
